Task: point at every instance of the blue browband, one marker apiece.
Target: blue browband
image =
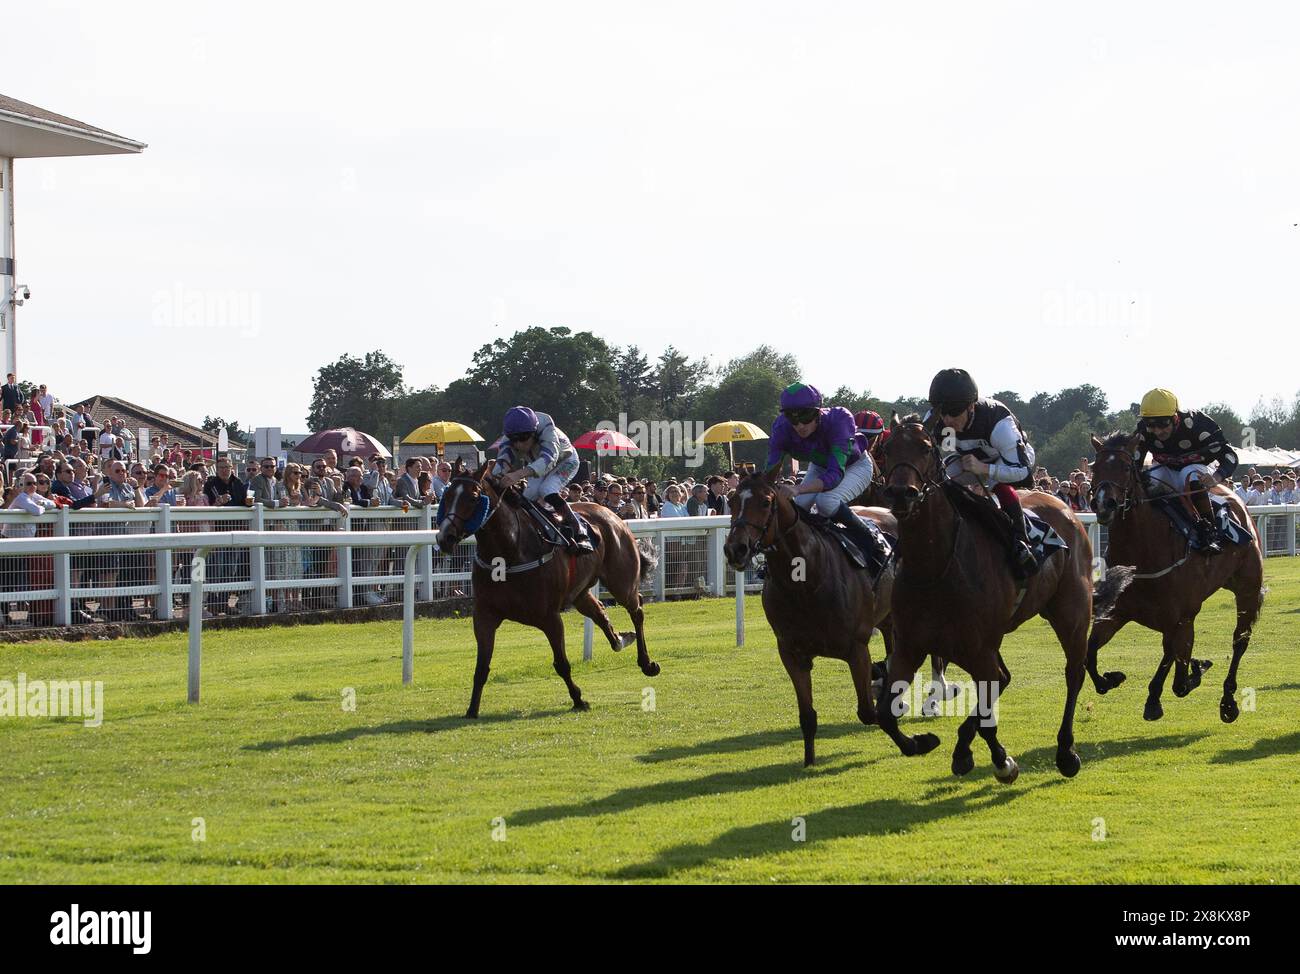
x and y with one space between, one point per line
476 522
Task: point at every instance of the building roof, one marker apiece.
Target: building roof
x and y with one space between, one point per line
28 131
103 407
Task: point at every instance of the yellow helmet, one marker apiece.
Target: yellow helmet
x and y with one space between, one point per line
1159 402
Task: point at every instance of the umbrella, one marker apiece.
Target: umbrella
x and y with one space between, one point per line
730 431
443 431
345 441
606 442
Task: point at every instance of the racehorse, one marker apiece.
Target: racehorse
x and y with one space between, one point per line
1170 581
817 602
524 577
955 595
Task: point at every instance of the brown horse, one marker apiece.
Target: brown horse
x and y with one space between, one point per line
1170 582
955 595
521 576
817 603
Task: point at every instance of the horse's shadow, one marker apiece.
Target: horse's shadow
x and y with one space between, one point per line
662 792
1266 748
433 725
883 816
754 741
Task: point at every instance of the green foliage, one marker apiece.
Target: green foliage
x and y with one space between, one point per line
214 424
357 392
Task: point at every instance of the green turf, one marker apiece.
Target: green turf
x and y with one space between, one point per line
294 788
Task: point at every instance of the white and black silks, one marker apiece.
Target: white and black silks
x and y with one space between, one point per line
994 436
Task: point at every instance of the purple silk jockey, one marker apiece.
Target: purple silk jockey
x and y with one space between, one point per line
537 449
823 439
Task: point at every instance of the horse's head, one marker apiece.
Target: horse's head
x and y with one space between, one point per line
466 504
910 461
1115 484
756 511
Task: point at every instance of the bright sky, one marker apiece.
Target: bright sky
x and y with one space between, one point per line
1045 194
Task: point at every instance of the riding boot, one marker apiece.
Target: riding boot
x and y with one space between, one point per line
1023 562
1207 532
572 529
862 535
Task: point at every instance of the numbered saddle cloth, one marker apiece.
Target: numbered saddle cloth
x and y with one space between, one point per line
873 561
1174 509
1043 539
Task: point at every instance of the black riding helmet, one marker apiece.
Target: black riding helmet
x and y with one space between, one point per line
953 387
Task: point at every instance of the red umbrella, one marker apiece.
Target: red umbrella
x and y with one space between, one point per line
605 441
346 442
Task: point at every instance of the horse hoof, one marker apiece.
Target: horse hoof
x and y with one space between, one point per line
471 715
1205 664
1068 763
1114 679
925 743
650 669
1228 710
581 705
1009 772
625 639
963 763
1153 710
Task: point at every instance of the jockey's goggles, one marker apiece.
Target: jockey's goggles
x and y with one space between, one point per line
805 415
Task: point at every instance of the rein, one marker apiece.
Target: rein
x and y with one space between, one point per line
759 546
491 513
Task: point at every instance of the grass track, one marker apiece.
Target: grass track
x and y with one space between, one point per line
294 788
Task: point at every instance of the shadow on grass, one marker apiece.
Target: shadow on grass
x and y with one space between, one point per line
754 742
1267 748
883 816
1280 686
662 792
434 725
879 816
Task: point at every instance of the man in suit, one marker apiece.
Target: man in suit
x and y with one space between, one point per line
12 395
407 487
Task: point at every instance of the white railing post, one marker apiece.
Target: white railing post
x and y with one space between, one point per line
408 615
344 557
717 563
162 567
661 568
1290 533
257 565
589 629
198 572
426 555
63 572
740 607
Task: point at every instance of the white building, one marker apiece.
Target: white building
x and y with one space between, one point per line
28 132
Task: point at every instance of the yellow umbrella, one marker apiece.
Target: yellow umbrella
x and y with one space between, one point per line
443 431
730 431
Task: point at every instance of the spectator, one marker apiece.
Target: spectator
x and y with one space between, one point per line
634 507
161 490
265 488
614 496
192 492
698 505
12 395
223 489
12 438
358 494
717 497
672 505
117 490
408 489
1255 495
653 502
71 483
320 472
439 483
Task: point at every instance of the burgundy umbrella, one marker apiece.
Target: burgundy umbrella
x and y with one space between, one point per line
345 441
604 442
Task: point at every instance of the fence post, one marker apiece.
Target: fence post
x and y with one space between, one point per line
344 557
162 566
661 568
257 565
1290 534
426 555
716 562
740 607
198 572
588 629
63 572
408 615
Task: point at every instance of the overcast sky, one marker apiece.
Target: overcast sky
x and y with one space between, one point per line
1045 194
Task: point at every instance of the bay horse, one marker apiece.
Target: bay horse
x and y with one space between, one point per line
521 576
955 595
1170 582
817 602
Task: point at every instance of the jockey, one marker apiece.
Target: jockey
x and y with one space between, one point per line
538 450
1182 444
990 444
871 434
838 470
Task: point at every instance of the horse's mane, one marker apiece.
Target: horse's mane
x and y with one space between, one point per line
912 419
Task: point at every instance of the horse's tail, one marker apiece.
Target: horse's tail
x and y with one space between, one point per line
1107 592
649 560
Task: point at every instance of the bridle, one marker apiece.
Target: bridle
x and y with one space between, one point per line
1131 485
928 484
460 520
748 525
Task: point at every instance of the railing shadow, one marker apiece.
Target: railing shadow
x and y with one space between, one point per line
433 725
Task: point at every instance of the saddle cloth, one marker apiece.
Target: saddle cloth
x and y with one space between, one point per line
548 523
873 561
1042 537
1172 507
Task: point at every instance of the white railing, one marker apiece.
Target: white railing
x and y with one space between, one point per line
126 579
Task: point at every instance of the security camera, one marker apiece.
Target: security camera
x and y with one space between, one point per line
27 293
21 293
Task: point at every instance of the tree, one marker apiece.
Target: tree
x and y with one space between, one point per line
782 365
360 393
1061 452
214 424
636 380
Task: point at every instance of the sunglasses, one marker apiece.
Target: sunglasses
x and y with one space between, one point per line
801 416
519 437
1160 423
952 408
